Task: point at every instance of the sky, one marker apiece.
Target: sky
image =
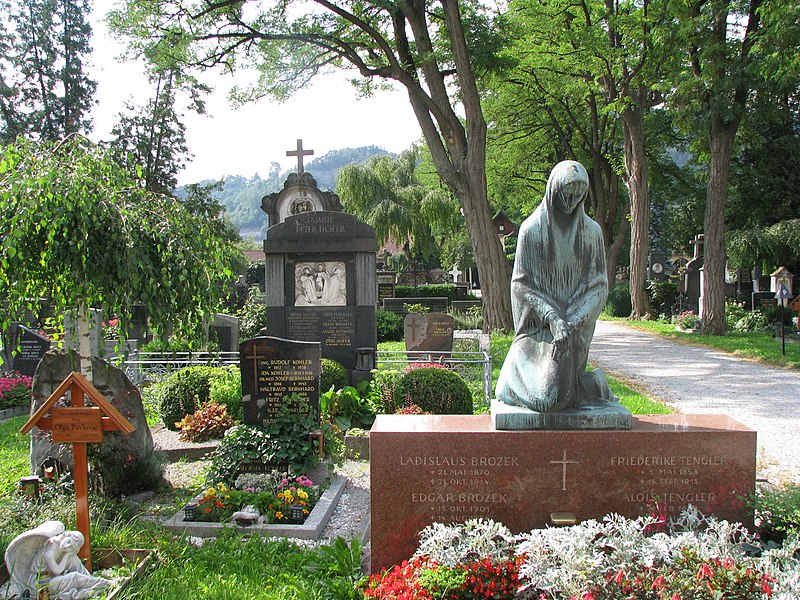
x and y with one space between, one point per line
246 140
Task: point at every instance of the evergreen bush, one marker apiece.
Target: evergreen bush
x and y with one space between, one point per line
332 374
181 393
619 301
431 290
663 296
390 326
434 390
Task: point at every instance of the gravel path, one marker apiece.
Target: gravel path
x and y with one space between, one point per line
693 379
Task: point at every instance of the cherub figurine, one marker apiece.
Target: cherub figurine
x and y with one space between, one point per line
46 558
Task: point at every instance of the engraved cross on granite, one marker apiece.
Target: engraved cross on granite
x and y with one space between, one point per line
300 153
564 462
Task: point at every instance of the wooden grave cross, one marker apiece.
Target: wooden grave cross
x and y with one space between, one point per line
79 425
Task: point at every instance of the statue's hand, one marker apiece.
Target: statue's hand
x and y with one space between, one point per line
560 330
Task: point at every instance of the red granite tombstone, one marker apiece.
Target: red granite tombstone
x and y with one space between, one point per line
451 468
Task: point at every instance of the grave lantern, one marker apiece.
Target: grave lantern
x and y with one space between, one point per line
30 486
296 513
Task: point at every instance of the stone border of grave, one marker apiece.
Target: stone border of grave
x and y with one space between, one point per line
14 411
310 530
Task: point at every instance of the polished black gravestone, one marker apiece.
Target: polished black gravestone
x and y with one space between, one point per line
31 348
278 372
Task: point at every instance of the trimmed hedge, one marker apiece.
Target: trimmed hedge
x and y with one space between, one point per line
430 290
389 325
434 390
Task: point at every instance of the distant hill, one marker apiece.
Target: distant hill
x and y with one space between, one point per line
241 196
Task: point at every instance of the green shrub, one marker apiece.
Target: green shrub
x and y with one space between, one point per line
619 301
663 296
182 392
472 318
777 511
226 388
435 290
752 321
382 386
733 312
283 442
389 325
252 316
332 374
434 390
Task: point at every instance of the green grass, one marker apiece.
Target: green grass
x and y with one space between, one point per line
752 345
14 461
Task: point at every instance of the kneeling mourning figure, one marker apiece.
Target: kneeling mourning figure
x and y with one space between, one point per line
45 559
558 289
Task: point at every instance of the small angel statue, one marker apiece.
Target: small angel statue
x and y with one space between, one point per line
46 558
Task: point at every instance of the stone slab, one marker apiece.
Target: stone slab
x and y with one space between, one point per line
310 530
450 468
604 415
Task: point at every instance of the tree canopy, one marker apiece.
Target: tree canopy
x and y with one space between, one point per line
432 48
78 229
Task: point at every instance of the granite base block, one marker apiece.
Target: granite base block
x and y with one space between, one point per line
608 415
450 468
310 530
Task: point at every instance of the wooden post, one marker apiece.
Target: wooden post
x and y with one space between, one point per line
81 474
79 425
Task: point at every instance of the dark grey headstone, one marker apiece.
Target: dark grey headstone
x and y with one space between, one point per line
32 347
761 300
429 332
225 331
272 370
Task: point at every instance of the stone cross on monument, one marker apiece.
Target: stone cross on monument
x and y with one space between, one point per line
300 153
454 273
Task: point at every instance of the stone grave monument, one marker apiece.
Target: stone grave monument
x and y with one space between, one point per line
558 448
276 372
692 277
320 272
431 332
225 330
31 347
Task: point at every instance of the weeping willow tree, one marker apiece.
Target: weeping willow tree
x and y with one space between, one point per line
386 193
773 246
81 232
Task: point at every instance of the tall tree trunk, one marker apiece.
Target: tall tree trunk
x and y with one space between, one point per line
636 182
721 136
458 152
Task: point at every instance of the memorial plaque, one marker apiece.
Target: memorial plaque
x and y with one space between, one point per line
276 372
32 347
334 328
449 468
77 424
385 290
428 332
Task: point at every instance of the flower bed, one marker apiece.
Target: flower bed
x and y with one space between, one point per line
310 528
691 557
15 391
295 495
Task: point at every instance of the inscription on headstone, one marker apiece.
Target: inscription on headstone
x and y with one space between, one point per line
428 332
334 328
32 347
277 372
451 468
